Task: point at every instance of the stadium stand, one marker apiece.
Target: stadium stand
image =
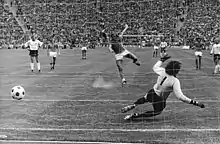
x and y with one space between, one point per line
74 20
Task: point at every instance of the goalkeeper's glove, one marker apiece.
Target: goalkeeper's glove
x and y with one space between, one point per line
201 105
164 58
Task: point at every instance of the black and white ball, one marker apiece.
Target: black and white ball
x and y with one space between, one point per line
17 92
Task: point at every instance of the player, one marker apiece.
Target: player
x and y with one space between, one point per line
33 46
120 52
215 51
156 47
166 83
53 50
163 46
84 50
198 52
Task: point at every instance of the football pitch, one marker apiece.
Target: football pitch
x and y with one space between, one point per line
61 106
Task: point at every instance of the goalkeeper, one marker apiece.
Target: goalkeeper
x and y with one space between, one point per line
166 83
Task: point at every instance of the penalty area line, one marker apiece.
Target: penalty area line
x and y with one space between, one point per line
117 130
63 142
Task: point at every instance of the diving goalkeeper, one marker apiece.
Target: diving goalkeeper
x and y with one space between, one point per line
165 85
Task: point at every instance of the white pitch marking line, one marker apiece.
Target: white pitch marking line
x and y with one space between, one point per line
120 130
64 142
106 100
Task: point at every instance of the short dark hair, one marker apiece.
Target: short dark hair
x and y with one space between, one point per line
173 68
114 37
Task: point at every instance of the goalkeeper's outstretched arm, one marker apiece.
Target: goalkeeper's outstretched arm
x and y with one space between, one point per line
178 92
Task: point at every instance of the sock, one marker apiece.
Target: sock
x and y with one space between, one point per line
38 66
54 61
196 63
140 101
216 69
199 62
32 66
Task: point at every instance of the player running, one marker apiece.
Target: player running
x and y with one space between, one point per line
53 50
165 85
215 51
120 52
33 46
198 52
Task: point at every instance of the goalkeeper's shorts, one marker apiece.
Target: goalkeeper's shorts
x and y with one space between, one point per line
157 101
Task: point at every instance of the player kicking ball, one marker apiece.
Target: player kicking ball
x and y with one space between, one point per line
33 46
198 52
120 52
166 83
53 50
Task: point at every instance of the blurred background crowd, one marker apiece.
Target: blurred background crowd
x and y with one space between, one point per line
74 21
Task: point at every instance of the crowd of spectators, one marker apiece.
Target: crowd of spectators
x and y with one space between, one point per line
75 20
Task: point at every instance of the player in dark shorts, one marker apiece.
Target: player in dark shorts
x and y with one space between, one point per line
33 46
215 51
167 82
120 52
163 47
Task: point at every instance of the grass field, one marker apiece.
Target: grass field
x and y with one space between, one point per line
61 106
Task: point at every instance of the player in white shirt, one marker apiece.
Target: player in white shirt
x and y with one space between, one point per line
215 51
165 85
156 47
84 50
163 46
33 46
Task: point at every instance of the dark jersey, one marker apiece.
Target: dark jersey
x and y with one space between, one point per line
117 48
198 46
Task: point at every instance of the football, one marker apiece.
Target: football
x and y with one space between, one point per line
17 92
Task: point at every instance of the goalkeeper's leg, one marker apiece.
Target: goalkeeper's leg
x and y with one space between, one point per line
158 106
146 114
140 101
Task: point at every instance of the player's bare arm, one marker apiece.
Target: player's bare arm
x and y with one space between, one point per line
122 33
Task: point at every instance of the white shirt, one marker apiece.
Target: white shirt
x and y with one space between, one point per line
34 45
84 48
215 49
170 84
163 44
